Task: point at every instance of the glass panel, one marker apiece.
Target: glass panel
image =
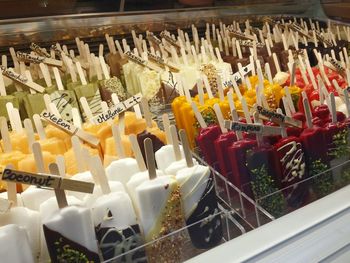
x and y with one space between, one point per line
337 9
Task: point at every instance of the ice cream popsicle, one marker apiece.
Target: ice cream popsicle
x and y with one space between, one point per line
4 99
158 201
15 237
315 147
153 132
70 235
116 232
199 201
122 169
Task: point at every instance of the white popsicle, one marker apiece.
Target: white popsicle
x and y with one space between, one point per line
15 245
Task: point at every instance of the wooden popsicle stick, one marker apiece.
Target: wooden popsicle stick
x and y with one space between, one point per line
259 138
220 118
108 43
151 165
246 110
81 74
347 101
311 74
308 114
30 79
137 152
76 146
234 113
114 50
11 189
5 135
289 99
2 86
60 194
282 125
320 90
200 91
71 70
17 119
207 86
220 88
86 108
292 75
104 68
76 118
96 66
333 108
186 147
58 78
268 72
60 161
198 115
28 127
46 74
118 142
120 50
166 125
175 142
146 112
54 110
39 127
4 61
286 107
275 60
38 157
9 108
100 173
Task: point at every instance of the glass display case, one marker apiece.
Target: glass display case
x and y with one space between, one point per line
110 27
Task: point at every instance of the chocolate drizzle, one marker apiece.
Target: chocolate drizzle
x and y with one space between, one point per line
207 233
114 242
157 143
62 249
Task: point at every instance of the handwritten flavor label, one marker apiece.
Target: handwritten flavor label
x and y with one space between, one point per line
21 79
38 59
237 76
138 60
169 39
46 181
69 128
278 118
29 58
151 37
117 109
160 61
40 51
255 128
250 43
239 35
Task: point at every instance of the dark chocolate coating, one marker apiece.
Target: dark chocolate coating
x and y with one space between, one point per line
62 249
208 233
157 143
114 242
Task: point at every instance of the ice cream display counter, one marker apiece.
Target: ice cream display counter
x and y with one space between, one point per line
173 131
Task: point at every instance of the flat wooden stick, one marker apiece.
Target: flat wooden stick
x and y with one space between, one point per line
118 141
60 194
5 135
175 141
151 165
186 147
137 152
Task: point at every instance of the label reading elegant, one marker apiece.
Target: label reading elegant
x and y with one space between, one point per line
46 181
160 61
117 109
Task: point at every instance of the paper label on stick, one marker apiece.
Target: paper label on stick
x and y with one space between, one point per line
40 51
25 57
249 43
117 109
160 61
278 118
69 128
252 128
21 79
239 35
237 76
138 60
169 39
151 37
46 181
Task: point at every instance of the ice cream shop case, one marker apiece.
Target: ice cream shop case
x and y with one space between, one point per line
174 131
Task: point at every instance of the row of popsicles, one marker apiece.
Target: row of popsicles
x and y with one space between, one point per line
153 203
